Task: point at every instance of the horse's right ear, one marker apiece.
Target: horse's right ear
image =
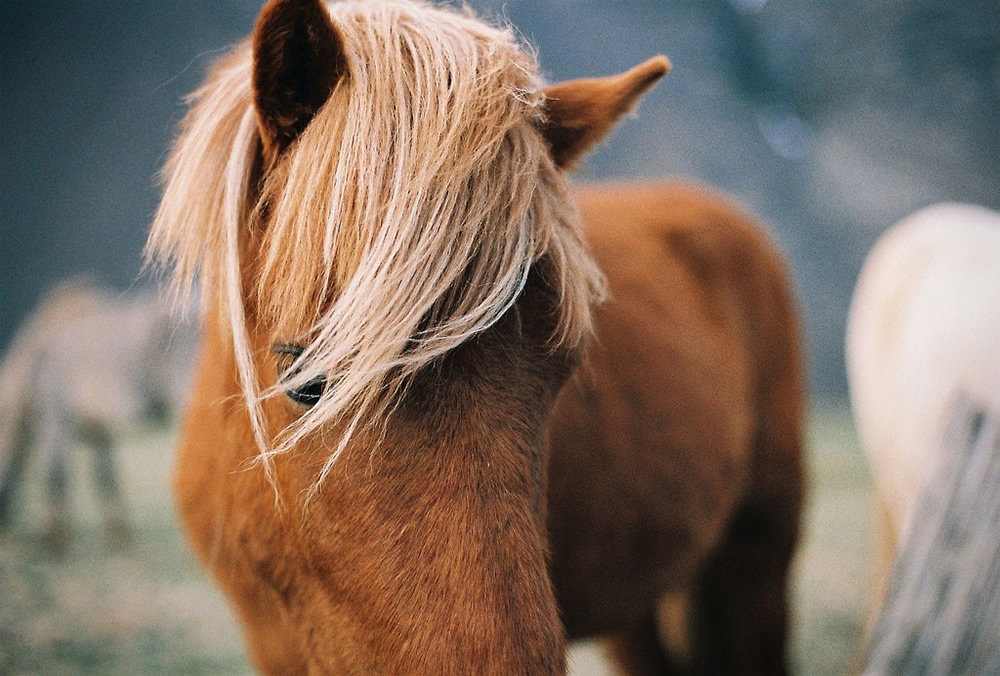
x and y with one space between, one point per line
298 58
579 113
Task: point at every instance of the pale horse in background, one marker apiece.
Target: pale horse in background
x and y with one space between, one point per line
923 330
85 367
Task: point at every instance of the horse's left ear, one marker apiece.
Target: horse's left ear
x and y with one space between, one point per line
579 113
298 58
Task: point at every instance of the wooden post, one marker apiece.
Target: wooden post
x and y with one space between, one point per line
941 613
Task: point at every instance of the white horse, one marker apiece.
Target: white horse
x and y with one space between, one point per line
85 367
923 330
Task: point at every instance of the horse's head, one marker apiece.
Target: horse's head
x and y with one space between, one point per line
374 196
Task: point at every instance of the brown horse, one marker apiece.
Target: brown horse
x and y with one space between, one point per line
383 463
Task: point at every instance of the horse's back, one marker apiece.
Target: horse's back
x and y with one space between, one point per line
657 442
923 328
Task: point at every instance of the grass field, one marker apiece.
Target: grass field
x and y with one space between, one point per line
148 608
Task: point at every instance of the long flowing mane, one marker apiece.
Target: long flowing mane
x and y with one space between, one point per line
402 222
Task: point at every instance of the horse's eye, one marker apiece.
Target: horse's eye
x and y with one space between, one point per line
308 394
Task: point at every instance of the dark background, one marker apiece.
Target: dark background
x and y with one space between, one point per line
829 119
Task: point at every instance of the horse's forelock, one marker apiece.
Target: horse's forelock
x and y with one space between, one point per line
402 221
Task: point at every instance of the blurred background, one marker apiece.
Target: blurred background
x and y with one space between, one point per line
829 120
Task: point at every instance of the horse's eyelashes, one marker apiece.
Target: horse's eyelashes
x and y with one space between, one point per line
308 394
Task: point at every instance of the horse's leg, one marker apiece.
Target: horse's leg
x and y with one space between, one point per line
639 651
109 490
740 617
13 460
53 442
739 613
660 644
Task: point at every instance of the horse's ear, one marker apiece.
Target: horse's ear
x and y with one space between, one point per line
298 57
579 113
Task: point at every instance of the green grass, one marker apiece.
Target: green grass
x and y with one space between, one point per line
149 609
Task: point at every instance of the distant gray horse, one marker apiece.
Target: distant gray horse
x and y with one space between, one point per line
86 366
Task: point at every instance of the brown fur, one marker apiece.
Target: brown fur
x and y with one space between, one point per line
675 466
473 526
381 571
676 448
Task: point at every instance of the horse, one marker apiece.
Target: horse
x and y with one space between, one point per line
923 332
88 365
418 440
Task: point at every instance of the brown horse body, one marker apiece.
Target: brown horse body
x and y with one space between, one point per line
675 469
500 501
676 477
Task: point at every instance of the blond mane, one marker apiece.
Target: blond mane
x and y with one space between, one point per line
402 222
